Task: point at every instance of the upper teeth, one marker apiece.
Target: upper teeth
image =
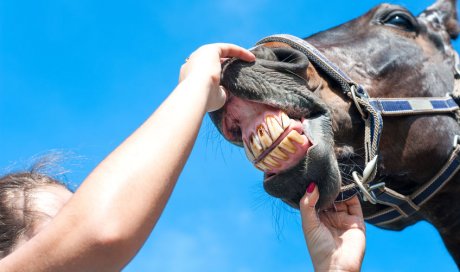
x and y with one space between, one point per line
285 120
255 146
264 137
274 127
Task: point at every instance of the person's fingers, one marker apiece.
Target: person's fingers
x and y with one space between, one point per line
310 220
354 206
341 220
230 50
338 207
204 59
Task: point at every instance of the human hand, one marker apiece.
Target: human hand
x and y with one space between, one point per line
205 65
335 237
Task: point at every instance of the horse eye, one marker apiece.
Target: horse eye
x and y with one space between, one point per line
401 21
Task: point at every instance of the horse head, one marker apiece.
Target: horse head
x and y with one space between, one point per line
298 126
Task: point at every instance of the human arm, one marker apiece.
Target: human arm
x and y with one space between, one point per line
336 238
112 213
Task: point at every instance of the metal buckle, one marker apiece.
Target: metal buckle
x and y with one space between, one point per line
362 182
354 93
457 64
366 190
456 141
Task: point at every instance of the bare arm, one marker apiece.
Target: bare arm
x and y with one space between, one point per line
110 216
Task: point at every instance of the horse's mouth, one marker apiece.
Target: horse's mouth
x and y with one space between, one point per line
277 144
283 125
288 148
273 141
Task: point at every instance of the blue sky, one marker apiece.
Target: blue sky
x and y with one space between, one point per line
80 76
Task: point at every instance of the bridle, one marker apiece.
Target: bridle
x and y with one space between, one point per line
372 110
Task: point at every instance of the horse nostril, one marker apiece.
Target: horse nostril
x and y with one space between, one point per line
282 59
289 55
231 130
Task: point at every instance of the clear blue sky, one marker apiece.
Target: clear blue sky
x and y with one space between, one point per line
80 75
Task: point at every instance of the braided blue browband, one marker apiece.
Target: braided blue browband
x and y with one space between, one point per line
372 110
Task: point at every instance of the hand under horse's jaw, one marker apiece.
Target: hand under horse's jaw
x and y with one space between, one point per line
291 144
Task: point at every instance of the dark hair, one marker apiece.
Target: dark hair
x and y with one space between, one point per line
17 216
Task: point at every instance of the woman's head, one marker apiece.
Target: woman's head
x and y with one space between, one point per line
28 202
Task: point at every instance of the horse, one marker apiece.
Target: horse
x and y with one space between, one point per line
369 107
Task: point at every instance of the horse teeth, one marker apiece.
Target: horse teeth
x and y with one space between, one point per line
279 154
288 146
264 138
271 162
285 120
255 146
248 152
296 137
274 127
263 167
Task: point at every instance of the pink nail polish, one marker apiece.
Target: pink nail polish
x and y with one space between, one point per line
311 187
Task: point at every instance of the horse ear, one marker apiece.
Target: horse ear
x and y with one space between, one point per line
444 12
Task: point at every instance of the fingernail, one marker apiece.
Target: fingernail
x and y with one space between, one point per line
311 187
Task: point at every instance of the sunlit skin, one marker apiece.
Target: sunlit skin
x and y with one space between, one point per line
336 237
91 233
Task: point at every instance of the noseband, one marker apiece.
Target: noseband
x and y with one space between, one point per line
372 110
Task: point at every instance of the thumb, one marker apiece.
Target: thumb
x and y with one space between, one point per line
310 219
217 100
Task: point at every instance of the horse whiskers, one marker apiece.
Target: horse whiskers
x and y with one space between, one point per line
289 57
296 75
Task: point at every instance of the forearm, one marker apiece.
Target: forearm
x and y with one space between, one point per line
138 177
116 207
